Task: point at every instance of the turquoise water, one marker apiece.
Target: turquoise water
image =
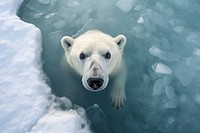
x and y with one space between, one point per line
162 55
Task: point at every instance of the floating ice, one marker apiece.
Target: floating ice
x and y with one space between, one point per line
194 38
59 24
168 56
169 92
98 119
161 68
172 103
184 73
187 105
155 51
125 5
157 88
197 98
140 20
182 3
196 54
193 63
156 18
179 29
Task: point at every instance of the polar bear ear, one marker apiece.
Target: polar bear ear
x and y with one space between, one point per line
67 42
120 40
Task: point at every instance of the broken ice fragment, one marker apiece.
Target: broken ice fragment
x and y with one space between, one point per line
172 103
140 20
184 73
155 51
194 38
50 15
179 29
161 68
182 3
157 88
196 54
197 98
170 92
187 104
59 24
125 5
168 56
193 63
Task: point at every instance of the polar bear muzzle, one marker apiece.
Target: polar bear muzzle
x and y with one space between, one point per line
95 83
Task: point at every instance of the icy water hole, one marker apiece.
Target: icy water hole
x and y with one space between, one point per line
162 55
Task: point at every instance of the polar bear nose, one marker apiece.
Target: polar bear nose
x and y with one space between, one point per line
95 83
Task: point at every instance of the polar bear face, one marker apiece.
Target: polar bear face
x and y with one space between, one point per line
94 55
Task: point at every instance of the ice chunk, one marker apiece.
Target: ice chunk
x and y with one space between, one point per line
125 5
37 16
138 29
140 32
182 3
59 24
50 15
171 120
140 20
196 54
197 98
187 105
179 29
157 88
138 7
168 56
157 18
98 118
194 38
184 73
193 63
172 103
169 92
155 51
161 68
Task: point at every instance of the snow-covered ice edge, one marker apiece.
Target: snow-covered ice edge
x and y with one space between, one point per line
26 102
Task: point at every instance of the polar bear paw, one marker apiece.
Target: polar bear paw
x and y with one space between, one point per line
118 98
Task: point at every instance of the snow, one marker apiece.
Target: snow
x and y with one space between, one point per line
25 98
60 121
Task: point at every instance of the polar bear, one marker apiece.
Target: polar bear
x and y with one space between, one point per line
97 57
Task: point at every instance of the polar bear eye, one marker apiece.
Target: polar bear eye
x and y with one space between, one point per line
82 56
107 55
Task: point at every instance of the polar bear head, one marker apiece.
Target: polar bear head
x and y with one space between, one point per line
94 55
